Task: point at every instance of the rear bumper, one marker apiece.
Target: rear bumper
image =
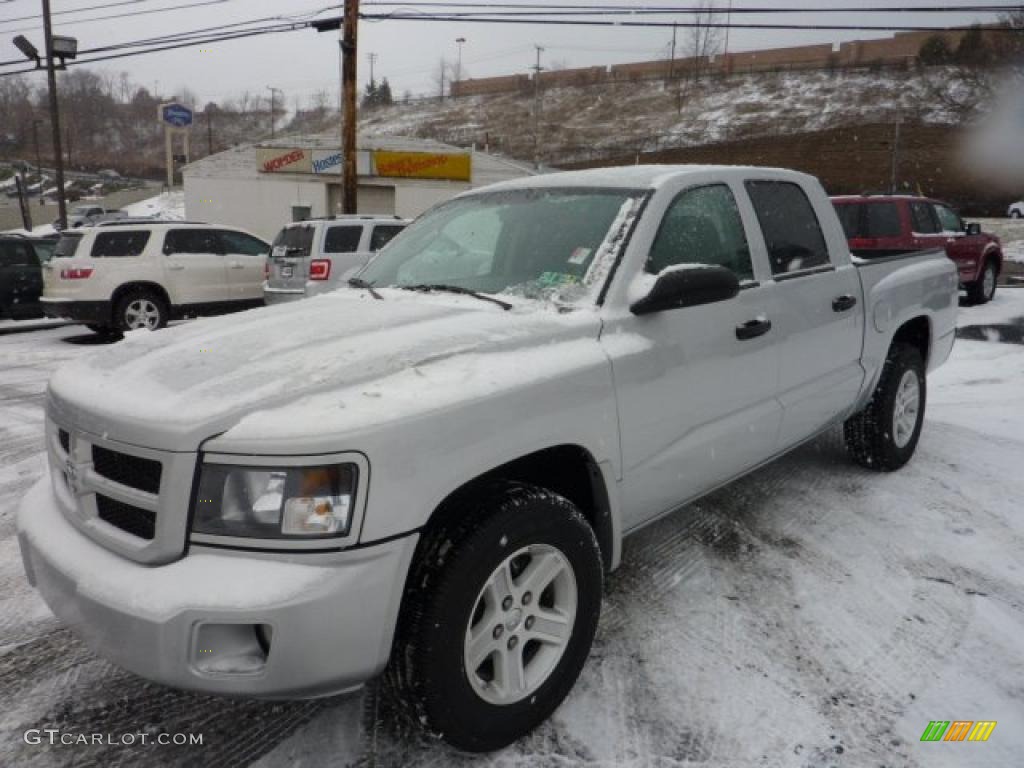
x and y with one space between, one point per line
193 623
282 295
92 312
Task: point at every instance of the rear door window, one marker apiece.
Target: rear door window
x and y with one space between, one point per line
849 217
923 219
241 243
119 244
187 241
790 226
382 235
293 241
342 239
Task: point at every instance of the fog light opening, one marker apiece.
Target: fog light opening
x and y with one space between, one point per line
231 649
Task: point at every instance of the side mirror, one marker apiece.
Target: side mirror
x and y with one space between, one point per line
974 228
688 286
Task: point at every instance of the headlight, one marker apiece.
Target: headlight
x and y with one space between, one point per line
275 502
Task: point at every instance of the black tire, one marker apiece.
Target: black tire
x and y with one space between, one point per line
428 675
135 297
870 435
976 292
1015 215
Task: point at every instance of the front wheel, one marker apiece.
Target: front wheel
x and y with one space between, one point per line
983 289
499 616
884 435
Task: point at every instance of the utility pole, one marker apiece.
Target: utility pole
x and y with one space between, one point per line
349 61
536 108
39 161
895 155
209 130
728 23
672 56
51 80
372 57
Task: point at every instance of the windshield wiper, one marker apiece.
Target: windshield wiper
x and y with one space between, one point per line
358 282
427 287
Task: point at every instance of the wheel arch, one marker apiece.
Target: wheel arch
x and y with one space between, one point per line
915 332
567 469
148 285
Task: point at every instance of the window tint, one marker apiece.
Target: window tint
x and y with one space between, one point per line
922 219
382 235
293 241
849 217
948 219
702 226
66 246
239 242
191 241
15 254
342 239
44 249
790 226
119 243
882 220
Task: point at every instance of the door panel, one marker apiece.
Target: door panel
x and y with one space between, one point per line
819 311
245 257
697 405
194 267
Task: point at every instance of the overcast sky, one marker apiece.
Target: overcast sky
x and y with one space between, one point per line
407 52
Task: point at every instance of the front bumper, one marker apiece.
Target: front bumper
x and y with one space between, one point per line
193 623
91 312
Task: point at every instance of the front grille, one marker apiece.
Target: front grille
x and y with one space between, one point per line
133 520
65 440
133 471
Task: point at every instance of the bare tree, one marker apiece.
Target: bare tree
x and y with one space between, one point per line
703 40
443 76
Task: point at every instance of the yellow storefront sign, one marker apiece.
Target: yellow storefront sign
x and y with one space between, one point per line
423 165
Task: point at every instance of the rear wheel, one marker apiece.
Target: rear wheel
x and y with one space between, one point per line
140 308
884 435
983 289
1015 214
499 616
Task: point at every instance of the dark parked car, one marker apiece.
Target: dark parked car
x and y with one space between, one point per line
21 278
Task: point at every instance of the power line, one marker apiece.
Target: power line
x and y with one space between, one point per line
92 19
77 10
644 9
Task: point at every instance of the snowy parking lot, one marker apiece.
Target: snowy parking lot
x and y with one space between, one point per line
811 614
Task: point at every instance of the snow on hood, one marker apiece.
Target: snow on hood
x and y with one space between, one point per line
173 388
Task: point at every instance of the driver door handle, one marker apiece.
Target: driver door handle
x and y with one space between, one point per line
176 267
844 302
753 328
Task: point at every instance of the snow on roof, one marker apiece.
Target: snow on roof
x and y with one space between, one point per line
240 162
642 176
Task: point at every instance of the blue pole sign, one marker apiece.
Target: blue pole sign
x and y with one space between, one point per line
177 115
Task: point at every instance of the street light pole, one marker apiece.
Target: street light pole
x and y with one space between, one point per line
39 161
273 104
58 154
458 66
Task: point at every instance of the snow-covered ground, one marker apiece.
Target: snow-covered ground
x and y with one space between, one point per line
167 205
811 614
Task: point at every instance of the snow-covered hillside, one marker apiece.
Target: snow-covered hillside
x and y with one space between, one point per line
580 123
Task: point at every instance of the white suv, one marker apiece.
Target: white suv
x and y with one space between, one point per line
140 275
312 256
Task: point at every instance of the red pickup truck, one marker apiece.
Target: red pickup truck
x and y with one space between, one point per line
885 225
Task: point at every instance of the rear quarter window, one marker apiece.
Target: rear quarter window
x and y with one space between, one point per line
342 239
119 244
293 241
383 234
67 246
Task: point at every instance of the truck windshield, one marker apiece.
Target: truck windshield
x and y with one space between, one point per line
556 244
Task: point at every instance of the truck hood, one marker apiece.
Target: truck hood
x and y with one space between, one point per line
174 388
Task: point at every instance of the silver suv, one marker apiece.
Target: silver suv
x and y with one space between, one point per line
310 257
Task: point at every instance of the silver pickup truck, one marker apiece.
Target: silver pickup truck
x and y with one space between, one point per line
431 470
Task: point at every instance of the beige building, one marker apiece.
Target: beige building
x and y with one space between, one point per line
260 187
